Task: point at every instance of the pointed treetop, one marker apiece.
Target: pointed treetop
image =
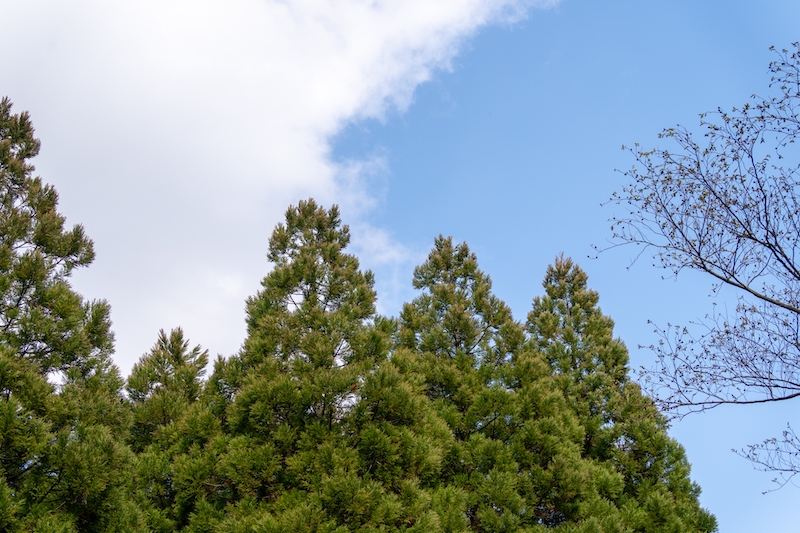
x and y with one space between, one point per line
569 327
308 227
17 144
457 311
450 264
568 307
311 269
41 317
170 364
316 300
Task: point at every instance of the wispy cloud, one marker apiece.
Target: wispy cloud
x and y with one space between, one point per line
178 131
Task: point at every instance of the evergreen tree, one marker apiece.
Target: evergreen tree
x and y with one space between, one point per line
621 428
182 468
308 325
589 365
163 384
464 334
41 318
549 432
514 457
63 465
284 400
164 387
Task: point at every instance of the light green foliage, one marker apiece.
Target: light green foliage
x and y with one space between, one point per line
309 339
468 347
464 335
465 423
549 432
311 311
285 401
589 366
647 472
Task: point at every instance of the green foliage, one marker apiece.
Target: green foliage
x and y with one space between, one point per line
311 310
309 339
464 335
42 318
549 432
452 418
588 365
163 384
647 472
351 439
63 463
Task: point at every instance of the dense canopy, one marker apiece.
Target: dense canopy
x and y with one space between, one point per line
452 417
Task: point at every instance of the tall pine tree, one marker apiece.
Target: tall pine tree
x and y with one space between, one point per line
63 463
291 461
621 428
465 337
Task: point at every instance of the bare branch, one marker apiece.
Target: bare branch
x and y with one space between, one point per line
723 207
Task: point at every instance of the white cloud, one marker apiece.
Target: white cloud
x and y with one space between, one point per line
178 131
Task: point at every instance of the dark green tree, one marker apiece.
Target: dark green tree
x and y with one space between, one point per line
41 317
309 324
497 473
164 388
465 337
548 432
63 463
464 334
330 418
589 366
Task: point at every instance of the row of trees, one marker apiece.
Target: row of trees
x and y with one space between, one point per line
452 417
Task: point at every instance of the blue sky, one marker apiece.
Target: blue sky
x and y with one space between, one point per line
178 132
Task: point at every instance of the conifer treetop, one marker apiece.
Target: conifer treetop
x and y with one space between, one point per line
41 317
316 299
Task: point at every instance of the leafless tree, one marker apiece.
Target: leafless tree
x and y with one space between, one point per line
728 205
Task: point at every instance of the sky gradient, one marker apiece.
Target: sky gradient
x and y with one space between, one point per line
178 132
